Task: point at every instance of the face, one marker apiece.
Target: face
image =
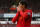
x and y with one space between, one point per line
21 6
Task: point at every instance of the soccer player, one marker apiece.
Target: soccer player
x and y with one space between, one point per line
23 15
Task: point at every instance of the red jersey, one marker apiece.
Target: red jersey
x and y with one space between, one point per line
23 18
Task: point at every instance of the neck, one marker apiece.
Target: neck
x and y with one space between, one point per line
24 9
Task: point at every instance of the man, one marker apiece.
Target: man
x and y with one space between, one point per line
23 16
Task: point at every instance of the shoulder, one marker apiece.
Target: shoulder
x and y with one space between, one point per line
29 10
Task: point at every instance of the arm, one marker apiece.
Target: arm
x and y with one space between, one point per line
15 18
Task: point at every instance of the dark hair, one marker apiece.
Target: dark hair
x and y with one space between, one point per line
24 3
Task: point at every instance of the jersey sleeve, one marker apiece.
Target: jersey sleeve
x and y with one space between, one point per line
30 13
15 18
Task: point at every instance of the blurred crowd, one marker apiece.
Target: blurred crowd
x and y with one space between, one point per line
9 6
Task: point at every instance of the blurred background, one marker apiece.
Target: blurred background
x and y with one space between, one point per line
8 11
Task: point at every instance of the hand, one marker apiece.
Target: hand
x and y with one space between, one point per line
19 8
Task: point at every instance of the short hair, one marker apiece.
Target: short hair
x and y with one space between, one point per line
24 3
